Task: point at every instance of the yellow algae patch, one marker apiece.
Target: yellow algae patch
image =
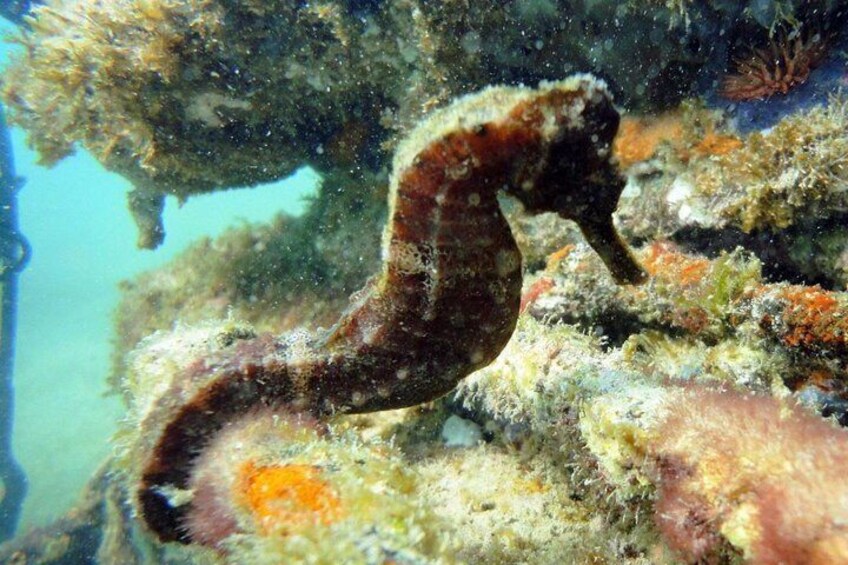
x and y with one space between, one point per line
716 144
796 170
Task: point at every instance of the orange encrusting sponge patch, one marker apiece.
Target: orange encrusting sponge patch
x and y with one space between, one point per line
285 498
640 137
664 261
716 144
813 316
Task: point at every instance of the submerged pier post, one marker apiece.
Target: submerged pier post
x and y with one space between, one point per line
14 254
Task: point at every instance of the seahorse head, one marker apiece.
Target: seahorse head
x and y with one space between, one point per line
573 173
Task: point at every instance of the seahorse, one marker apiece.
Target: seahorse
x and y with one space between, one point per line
446 299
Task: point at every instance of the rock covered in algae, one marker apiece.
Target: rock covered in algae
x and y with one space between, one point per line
735 474
188 96
795 171
654 52
780 193
696 313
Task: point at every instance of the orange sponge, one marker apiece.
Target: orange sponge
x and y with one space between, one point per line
283 497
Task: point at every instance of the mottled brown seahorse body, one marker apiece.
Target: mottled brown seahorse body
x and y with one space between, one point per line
446 300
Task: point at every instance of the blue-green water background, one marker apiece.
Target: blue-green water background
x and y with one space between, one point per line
83 241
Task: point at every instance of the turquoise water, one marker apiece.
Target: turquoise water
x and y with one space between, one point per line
83 241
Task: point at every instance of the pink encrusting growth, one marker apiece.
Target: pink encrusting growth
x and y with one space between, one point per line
767 477
447 297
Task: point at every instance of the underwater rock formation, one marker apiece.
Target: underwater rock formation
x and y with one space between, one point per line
726 474
780 193
715 317
184 96
764 181
770 482
736 474
796 171
189 96
446 299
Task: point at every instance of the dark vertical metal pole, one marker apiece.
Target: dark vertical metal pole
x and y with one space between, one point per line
14 254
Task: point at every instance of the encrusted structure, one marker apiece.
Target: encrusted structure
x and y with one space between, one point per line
183 96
